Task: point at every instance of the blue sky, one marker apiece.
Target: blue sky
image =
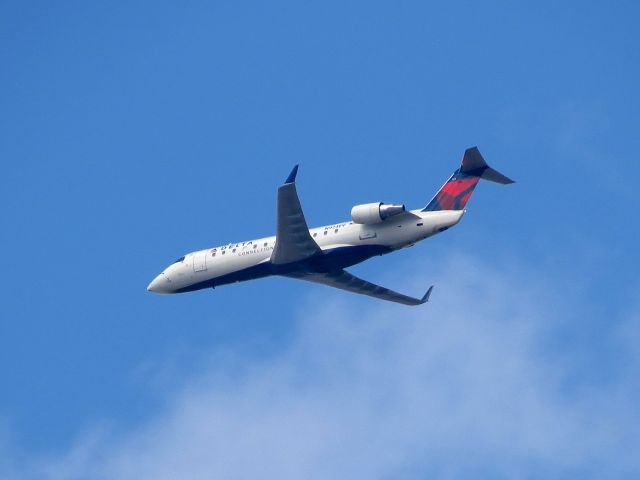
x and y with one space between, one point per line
131 134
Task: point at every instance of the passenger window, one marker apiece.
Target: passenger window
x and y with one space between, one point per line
224 251
335 231
325 232
233 251
265 244
213 254
315 234
255 246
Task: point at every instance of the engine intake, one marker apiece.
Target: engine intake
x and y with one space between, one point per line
374 212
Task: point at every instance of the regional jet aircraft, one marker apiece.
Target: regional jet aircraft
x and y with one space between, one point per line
320 255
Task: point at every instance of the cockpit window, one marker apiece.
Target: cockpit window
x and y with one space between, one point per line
181 259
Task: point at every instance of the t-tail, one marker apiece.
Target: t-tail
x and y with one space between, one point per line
455 193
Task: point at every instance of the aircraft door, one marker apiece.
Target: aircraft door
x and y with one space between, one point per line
200 261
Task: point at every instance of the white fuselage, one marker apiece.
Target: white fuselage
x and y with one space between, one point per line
343 243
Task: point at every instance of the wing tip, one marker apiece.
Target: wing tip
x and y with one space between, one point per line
426 296
292 176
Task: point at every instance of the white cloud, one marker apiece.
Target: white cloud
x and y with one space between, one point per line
467 386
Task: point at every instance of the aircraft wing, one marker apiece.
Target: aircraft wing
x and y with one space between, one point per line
345 281
293 241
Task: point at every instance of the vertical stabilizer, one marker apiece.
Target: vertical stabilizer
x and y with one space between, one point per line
455 193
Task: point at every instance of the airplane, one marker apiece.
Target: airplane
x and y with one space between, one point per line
321 254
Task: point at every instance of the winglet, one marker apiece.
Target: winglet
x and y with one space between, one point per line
425 299
292 176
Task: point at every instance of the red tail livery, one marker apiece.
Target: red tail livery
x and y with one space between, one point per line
455 193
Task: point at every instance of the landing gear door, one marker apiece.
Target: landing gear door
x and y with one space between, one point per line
200 261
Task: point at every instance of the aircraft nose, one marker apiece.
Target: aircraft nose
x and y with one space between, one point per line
160 284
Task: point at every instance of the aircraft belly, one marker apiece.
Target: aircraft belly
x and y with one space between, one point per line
249 273
345 256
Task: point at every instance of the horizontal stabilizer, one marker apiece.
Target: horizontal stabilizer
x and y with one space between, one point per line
473 164
495 176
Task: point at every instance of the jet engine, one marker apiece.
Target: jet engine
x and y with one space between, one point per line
374 212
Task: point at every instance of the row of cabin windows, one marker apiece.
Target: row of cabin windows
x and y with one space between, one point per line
315 234
214 251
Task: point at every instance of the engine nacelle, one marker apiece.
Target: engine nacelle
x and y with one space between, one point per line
374 212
